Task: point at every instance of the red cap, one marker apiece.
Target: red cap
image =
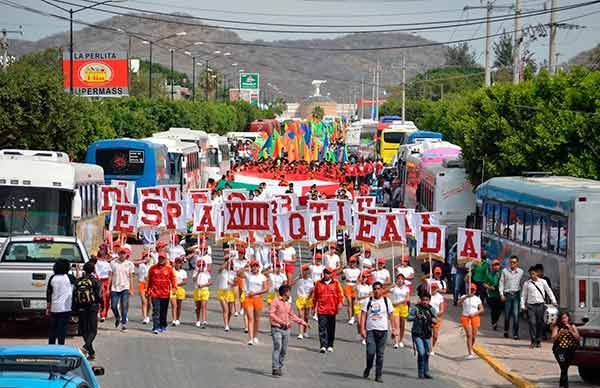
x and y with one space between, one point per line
328 270
353 259
125 250
437 270
496 262
381 260
332 245
367 249
254 263
473 286
435 285
242 250
117 243
318 256
161 244
305 267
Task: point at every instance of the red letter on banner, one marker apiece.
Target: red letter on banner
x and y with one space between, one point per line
106 191
317 207
174 210
390 232
318 233
366 228
469 249
301 232
151 211
426 230
206 223
123 212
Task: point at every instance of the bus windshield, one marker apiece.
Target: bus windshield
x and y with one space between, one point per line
394 137
121 161
35 210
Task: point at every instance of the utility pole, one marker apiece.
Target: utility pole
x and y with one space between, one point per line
377 94
489 7
373 97
362 97
150 72
518 41
4 44
552 45
442 91
206 80
403 88
172 77
193 78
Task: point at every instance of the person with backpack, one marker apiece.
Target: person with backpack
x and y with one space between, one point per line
59 298
374 323
423 317
86 301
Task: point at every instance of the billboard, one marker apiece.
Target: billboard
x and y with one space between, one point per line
249 81
97 74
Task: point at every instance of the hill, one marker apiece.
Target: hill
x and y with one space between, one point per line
290 70
588 58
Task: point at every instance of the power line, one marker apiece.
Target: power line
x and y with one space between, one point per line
428 25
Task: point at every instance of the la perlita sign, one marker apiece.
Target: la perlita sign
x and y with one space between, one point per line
97 74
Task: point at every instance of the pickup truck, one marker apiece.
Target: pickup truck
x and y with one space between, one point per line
25 268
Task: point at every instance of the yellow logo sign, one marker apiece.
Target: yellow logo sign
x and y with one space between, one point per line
95 73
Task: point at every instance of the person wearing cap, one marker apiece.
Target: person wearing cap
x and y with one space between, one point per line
104 274
492 284
239 264
178 293
304 286
280 313
225 291
277 278
121 286
328 297
88 312
316 268
332 259
351 274
161 280
437 279
201 294
255 285
472 308
439 304
400 296
141 271
366 256
288 256
363 292
381 274
405 269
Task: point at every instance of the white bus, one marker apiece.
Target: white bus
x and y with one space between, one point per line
184 162
186 135
42 196
217 159
548 220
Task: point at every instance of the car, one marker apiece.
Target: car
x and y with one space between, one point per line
46 366
587 355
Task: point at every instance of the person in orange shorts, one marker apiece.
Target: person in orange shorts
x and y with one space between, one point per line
141 271
439 304
472 308
255 285
351 274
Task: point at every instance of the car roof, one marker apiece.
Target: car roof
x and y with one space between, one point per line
32 237
40 350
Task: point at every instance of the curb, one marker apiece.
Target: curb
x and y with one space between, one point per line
516 379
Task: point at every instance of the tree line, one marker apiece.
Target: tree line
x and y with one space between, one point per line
36 112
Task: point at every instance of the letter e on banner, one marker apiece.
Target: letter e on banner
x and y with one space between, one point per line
123 218
365 228
468 247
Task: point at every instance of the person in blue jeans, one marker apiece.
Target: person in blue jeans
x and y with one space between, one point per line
423 316
121 281
510 293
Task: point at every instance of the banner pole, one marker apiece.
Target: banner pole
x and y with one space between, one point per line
430 271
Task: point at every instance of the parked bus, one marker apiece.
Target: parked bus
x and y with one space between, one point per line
445 188
392 138
184 163
186 135
141 161
419 135
46 195
217 161
549 220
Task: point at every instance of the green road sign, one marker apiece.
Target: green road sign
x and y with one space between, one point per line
249 81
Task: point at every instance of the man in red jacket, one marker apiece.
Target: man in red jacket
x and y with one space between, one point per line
327 296
161 280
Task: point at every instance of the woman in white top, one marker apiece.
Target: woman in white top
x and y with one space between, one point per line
255 285
277 278
351 274
304 286
400 296
225 291
332 259
363 291
239 263
141 271
472 308
381 274
405 269
202 280
178 295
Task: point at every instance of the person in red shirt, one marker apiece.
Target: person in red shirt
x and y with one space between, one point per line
161 280
327 296
368 172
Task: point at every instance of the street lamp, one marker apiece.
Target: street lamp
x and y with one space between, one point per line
152 42
71 11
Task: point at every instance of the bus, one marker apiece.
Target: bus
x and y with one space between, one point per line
392 138
184 163
185 135
47 195
217 161
141 161
549 220
445 189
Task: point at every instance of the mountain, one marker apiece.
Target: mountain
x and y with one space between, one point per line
289 71
588 58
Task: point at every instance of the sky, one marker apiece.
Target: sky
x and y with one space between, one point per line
345 13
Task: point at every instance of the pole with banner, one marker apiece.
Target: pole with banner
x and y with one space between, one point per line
431 244
468 249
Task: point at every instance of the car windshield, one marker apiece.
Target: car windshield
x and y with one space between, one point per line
41 252
70 366
35 210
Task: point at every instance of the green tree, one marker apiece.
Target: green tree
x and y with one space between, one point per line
460 55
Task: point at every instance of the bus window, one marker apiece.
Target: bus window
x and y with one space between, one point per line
545 233
563 236
596 293
394 137
553 235
120 161
504 221
519 226
536 231
212 157
489 217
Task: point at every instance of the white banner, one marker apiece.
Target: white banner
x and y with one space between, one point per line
431 242
468 247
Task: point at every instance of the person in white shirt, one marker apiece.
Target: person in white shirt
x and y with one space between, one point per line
316 269
437 279
534 295
225 291
277 278
332 259
365 256
374 322
439 304
351 274
103 272
381 274
405 269
239 264
304 286
255 285
472 308
363 292
202 280
400 296
121 283
175 251
288 256
141 271
59 299
178 295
